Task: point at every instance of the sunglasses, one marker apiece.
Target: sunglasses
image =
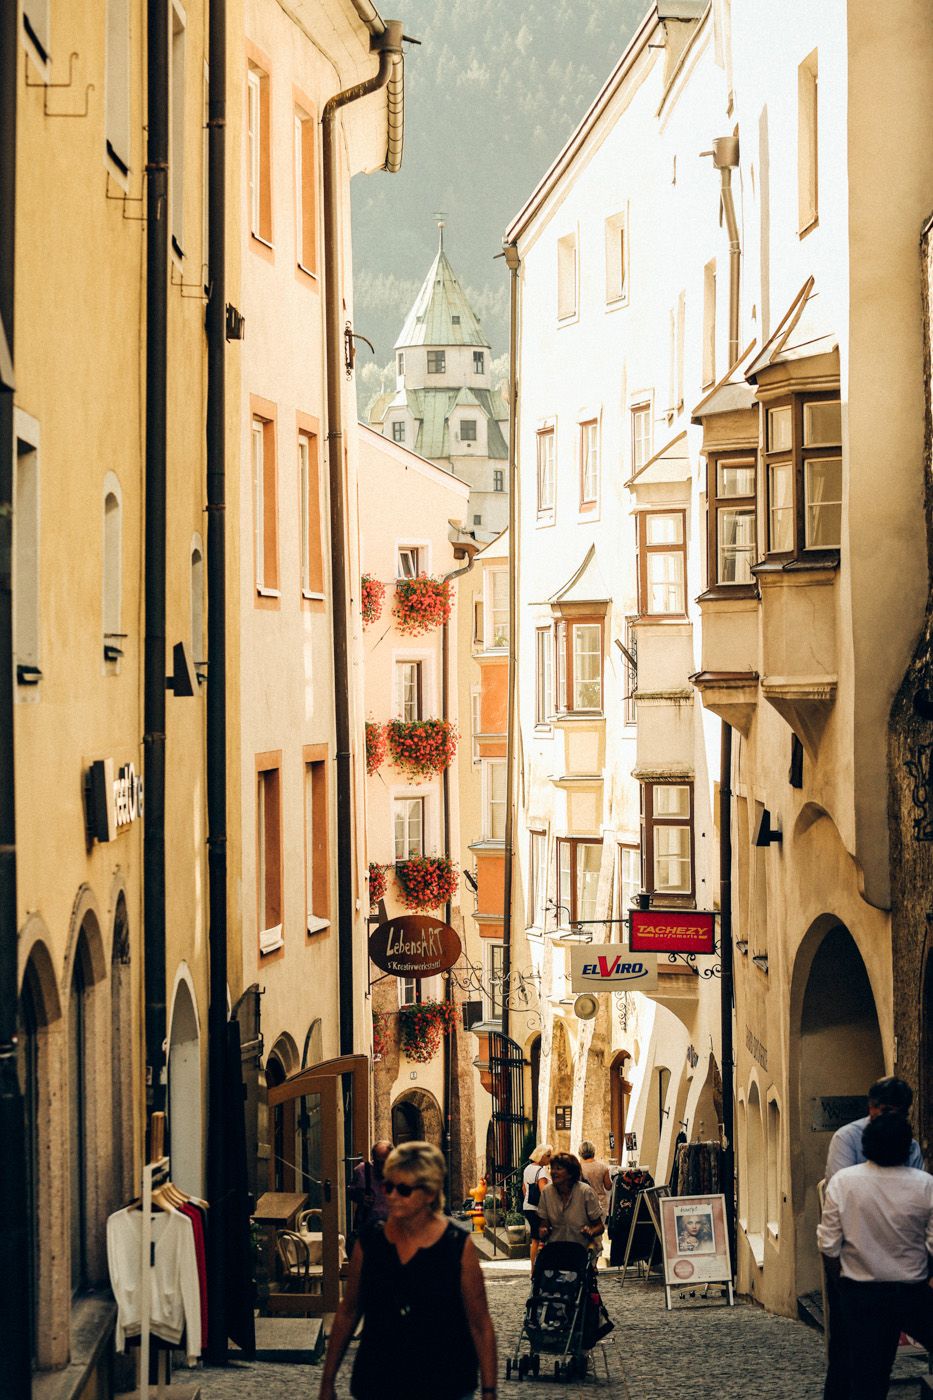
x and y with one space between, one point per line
403 1188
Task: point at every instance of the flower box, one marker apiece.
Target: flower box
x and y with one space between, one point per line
426 882
422 747
377 746
378 883
372 597
421 604
422 1026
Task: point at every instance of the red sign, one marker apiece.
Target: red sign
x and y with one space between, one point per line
414 945
671 931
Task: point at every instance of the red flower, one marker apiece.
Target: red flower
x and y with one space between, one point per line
378 883
421 603
376 746
422 748
422 1025
426 882
372 596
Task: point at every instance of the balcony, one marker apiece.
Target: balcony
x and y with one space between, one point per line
728 679
798 646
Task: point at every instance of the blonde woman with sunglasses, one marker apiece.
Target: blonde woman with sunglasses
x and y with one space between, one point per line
415 1280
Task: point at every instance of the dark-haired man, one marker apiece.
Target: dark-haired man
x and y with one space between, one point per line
876 1235
888 1095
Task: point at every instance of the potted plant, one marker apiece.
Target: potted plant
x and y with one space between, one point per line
516 1227
422 1025
420 747
372 596
421 604
376 746
426 882
378 883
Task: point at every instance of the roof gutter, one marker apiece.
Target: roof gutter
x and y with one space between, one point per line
395 87
389 46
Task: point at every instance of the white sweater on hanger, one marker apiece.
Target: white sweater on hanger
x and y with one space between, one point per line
174 1292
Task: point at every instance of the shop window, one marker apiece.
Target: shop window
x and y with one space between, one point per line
803 478
580 665
305 192
494 799
177 129
578 865
259 154
662 564
408 814
733 540
409 690
641 436
537 879
265 522
589 464
497 609
566 276
113 572
117 84
546 472
317 877
808 177
26 630
479 362
668 829
544 677
467 429
312 554
410 562
269 847
616 259
437 362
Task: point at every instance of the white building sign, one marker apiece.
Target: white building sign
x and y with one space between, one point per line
608 967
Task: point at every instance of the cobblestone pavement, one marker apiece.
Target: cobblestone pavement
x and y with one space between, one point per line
740 1353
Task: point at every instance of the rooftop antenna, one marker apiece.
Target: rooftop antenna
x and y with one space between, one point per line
440 218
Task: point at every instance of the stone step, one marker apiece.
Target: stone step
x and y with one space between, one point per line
288 1339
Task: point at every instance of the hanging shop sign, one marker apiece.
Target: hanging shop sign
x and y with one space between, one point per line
608 967
113 802
671 931
414 945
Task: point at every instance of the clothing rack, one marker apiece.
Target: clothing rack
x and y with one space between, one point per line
155 1174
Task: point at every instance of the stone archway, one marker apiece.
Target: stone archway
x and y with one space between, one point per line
417 1117
836 1053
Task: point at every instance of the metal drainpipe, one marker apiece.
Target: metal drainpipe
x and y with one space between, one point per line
154 669
14 1241
217 1175
512 263
725 160
445 791
389 47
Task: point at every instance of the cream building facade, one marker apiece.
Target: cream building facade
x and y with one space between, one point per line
743 453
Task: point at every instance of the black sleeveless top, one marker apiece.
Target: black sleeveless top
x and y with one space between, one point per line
416 1343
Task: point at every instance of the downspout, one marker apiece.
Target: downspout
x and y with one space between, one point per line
445 800
389 47
512 263
725 160
15 1364
154 665
217 1175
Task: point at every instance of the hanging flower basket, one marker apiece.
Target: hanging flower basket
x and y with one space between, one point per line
422 747
372 597
381 1036
376 746
426 882
378 883
421 604
423 1025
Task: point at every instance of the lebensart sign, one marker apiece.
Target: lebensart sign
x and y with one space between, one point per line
414 945
609 967
671 931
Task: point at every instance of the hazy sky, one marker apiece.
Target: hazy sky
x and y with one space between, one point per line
491 95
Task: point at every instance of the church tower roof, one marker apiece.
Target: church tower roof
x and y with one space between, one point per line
441 314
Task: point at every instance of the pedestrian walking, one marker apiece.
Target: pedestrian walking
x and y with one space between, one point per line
596 1174
888 1095
367 1188
534 1180
415 1281
568 1207
876 1236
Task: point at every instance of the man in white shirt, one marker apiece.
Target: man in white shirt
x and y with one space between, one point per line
876 1236
888 1095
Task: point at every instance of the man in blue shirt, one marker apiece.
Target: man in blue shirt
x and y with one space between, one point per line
888 1095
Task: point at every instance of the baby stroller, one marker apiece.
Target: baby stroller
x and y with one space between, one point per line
563 1316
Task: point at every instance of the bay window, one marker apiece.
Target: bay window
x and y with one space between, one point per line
733 548
803 477
662 564
580 665
578 865
668 844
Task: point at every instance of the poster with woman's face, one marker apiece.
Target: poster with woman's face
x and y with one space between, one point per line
696 1246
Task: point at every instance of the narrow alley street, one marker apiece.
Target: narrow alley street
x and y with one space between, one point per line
740 1353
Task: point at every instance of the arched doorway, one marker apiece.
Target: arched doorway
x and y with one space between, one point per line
416 1117
280 1179
184 1093
619 1090
534 1074
838 1054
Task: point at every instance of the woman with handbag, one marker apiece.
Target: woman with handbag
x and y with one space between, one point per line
534 1180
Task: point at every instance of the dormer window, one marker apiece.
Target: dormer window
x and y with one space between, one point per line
437 362
468 430
398 431
455 320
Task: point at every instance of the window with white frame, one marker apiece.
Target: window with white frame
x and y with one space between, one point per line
589 464
616 259
177 148
409 690
544 676
662 560
266 512
476 722
566 276
493 980
803 475
537 891
641 435
317 885
498 479
494 799
578 865
732 506
408 821
587 642
410 561
546 471
628 878
259 154
668 825
497 609
117 84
